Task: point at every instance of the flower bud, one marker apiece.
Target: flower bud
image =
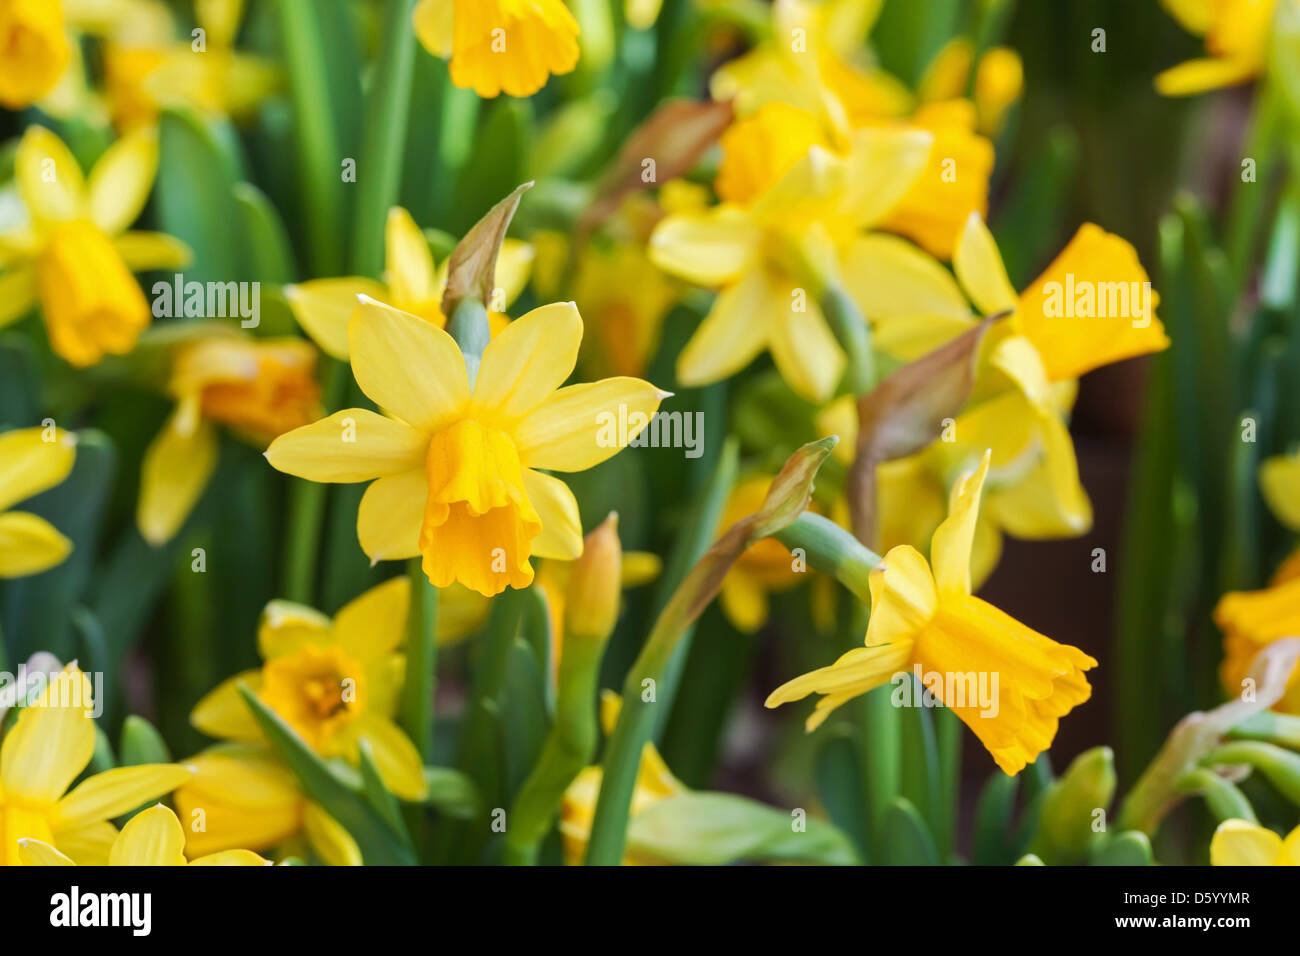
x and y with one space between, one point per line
1075 806
591 608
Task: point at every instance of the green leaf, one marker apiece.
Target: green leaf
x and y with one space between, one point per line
839 784
717 828
451 792
141 743
993 816
264 242
906 839
379 844
380 797
194 196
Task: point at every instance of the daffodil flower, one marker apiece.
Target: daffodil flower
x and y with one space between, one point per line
46 749
999 80
241 795
923 613
153 837
751 254
336 682
35 50
73 253
457 467
258 388
413 282
500 46
29 464
1242 843
1236 38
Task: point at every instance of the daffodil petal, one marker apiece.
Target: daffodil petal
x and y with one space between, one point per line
144 251
527 361
49 180
51 743
354 444
120 181
375 622
286 627
883 165
396 758
408 263
390 514
708 248
980 270
950 549
39 853
88 845
890 278
1279 480
1199 76
221 712
1240 843
231 858
29 545
903 597
733 333
433 21
17 294
328 838
805 351
177 466
580 426
323 308
561 535
117 791
153 837
407 366
29 464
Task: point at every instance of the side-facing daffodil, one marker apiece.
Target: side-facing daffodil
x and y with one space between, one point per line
258 388
153 837
500 46
242 795
31 460
336 682
413 282
1236 38
754 250
46 749
457 467
1251 619
923 613
73 255
1242 843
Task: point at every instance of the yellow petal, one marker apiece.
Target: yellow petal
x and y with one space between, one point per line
708 248
1049 501
882 167
1241 843
117 791
231 858
121 180
980 270
514 266
1196 16
903 597
950 549
49 180
541 38
408 263
29 545
375 622
1279 480
143 251
580 426
29 464
1199 76
855 672
732 334
407 366
17 294
51 742
88 846
153 837
561 535
354 444
286 627
744 601
524 364
177 466
433 20
390 515
323 307
221 712
804 349
890 278
395 756
39 853
329 839
239 798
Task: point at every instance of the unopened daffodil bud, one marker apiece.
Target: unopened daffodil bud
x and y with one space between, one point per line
1075 806
591 609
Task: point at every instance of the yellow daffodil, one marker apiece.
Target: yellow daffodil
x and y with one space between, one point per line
31 460
145 71
242 796
457 467
1279 480
73 254
1242 843
153 837
765 567
750 251
33 50
46 749
500 46
259 388
1236 38
624 300
654 782
336 682
413 282
923 614
999 80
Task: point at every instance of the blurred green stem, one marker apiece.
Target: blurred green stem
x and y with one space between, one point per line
421 660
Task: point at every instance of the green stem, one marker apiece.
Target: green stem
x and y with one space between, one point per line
832 550
384 138
421 661
854 335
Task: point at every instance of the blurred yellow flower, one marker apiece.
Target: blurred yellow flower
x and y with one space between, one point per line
152 837
46 749
1236 38
1242 843
999 80
33 50
413 282
923 615
259 388
31 461
764 568
457 466
242 796
73 253
336 682
500 46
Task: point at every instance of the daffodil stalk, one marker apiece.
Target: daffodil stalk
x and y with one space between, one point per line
789 495
421 661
